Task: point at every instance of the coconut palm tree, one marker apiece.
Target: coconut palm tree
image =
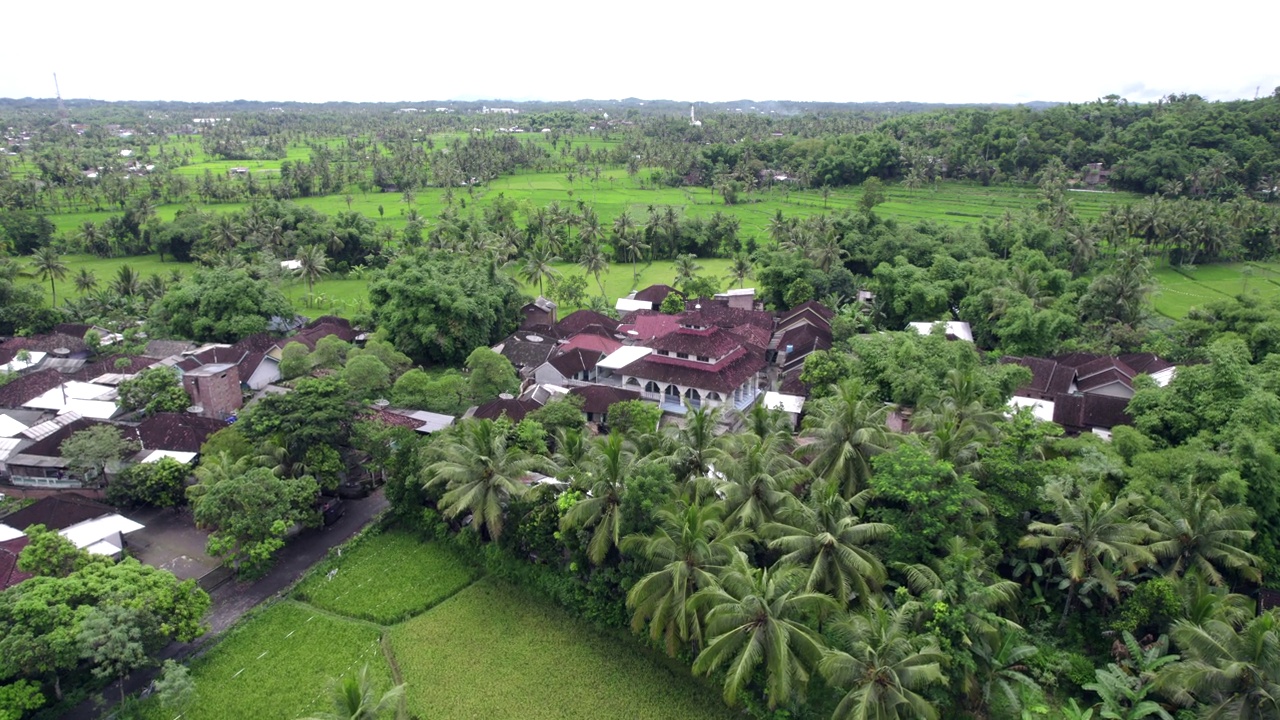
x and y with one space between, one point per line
1230 672
90 237
830 541
86 281
481 472
46 264
632 243
756 623
1000 667
312 265
355 698
756 481
128 282
687 548
608 464
1094 536
536 266
593 262
846 429
1195 533
686 267
740 269
881 667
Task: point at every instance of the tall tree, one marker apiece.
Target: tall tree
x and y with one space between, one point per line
1094 537
312 265
881 667
847 430
481 472
594 262
687 549
755 622
607 466
46 264
1193 532
1230 672
830 542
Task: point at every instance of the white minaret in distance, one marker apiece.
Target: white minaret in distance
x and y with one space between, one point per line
693 119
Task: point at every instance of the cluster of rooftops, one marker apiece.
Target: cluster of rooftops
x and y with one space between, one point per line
725 351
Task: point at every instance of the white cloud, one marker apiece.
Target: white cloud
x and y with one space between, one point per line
930 51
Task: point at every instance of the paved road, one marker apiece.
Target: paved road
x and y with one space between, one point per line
232 600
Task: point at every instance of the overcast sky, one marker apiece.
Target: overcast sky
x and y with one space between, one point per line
840 50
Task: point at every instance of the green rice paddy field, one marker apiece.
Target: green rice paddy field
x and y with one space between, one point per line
466 647
1183 288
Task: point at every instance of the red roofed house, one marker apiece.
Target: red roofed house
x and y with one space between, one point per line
10 575
697 363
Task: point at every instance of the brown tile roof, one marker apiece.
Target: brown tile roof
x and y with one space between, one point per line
48 343
590 341
31 385
513 408
804 339
656 294
179 432
715 343
395 419
1079 413
752 335
10 575
57 512
791 383
161 349
576 322
51 444
597 399
810 306
729 375
1048 377
719 313
576 361
316 332
1145 363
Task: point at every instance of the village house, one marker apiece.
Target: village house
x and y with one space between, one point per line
1084 392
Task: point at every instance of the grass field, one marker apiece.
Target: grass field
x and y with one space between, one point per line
387 578
1183 288
279 665
491 652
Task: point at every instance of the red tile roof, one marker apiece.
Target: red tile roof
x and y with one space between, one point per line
804 339
752 335
591 341
647 325
576 322
811 306
1078 413
656 294
10 575
719 313
513 408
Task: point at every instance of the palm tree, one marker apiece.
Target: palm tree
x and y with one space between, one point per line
46 264
830 540
1231 673
847 430
312 265
90 236
880 667
354 699
631 242
593 262
1000 659
481 472
1195 533
695 446
609 463
965 579
757 482
740 269
686 267
1092 537
537 265
86 281
127 283
756 623
688 547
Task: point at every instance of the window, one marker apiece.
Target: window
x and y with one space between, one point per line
663 352
704 358
682 356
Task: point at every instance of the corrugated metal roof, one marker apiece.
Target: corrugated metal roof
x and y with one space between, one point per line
8 445
623 357
10 427
85 534
49 427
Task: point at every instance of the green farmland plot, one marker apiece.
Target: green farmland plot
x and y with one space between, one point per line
493 652
279 665
386 578
1180 289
